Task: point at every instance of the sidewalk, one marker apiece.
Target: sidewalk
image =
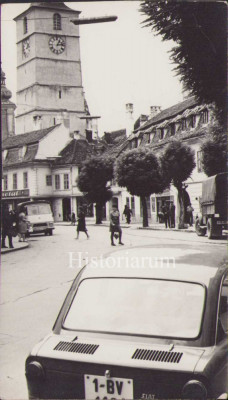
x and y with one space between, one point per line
16 246
133 225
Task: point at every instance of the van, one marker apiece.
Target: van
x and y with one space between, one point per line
39 216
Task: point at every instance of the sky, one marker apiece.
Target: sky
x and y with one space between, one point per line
122 61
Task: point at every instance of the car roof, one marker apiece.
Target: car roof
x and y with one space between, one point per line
147 263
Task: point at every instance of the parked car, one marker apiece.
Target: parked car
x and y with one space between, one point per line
39 216
155 330
213 204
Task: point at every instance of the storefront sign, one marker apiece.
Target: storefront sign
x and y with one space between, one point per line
15 193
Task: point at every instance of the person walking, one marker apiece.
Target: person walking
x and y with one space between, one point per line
81 226
165 211
190 209
128 213
73 219
22 226
115 225
7 227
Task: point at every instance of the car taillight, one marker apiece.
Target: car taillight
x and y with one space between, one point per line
34 370
194 390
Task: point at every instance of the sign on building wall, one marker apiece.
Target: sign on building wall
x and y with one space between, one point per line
15 193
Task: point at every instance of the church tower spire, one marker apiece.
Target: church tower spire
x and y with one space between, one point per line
7 109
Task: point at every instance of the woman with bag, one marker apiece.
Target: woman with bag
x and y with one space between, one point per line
22 226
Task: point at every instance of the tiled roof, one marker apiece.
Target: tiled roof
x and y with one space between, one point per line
119 148
52 5
115 137
26 138
14 158
78 150
171 112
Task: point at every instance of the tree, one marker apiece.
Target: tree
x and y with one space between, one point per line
138 170
214 151
93 180
199 30
177 164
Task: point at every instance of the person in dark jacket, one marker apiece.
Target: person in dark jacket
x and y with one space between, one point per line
165 211
115 228
7 227
128 213
81 226
73 219
172 215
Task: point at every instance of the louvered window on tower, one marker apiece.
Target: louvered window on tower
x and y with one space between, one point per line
57 22
25 23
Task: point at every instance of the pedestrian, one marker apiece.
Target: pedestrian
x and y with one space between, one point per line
165 211
22 226
81 226
7 227
190 209
73 219
128 213
172 215
115 228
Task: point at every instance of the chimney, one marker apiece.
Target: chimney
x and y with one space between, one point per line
76 135
89 135
129 119
154 110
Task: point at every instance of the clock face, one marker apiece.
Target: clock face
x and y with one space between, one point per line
26 47
57 44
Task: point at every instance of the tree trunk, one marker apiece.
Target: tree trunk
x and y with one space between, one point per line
181 208
98 208
144 209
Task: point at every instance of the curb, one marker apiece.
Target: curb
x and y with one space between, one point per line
4 251
166 230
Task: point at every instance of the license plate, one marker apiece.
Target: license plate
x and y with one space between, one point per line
102 388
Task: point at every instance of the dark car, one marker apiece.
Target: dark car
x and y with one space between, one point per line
136 326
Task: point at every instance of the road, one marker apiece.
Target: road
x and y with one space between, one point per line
34 283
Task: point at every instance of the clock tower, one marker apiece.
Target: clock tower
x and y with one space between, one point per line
49 79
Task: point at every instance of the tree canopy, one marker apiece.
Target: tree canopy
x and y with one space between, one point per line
199 30
214 151
93 180
177 164
138 170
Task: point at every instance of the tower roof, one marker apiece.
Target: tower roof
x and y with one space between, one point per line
6 94
55 6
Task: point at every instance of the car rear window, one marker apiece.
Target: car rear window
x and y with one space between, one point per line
137 306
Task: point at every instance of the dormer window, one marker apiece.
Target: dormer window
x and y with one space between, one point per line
22 151
192 122
57 22
25 25
183 124
205 117
172 129
162 133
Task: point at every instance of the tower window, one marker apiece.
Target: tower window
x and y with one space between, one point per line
57 22
25 24
60 94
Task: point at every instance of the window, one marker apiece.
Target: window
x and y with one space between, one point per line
128 201
25 180
54 121
192 122
57 181
172 129
223 312
199 161
66 181
162 133
133 206
175 309
205 117
183 124
48 180
57 22
5 182
25 25
60 94
14 181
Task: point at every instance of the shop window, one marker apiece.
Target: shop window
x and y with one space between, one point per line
199 161
133 206
5 182
57 182
25 25
48 180
57 22
14 181
66 181
25 180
